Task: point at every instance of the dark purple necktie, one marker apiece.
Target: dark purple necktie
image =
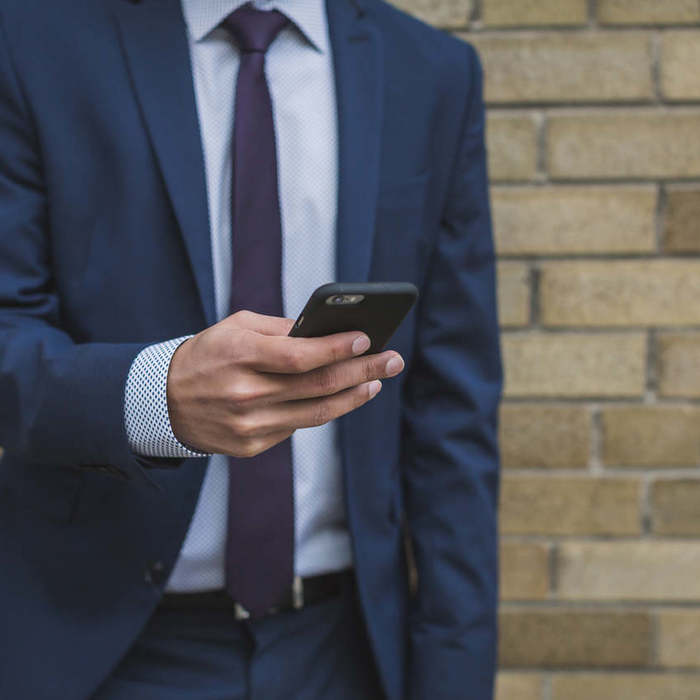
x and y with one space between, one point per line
260 542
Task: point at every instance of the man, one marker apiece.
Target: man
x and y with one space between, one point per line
175 180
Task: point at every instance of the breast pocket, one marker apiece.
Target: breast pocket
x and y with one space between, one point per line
400 235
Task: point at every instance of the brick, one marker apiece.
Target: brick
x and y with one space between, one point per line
678 640
524 570
679 364
675 507
545 505
449 14
565 67
682 225
518 686
512 146
620 293
625 686
523 13
647 143
646 436
644 570
680 65
574 364
567 638
544 435
559 220
513 293
648 11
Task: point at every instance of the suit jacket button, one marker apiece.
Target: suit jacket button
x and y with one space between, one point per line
155 573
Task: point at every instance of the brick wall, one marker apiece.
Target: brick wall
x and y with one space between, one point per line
594 140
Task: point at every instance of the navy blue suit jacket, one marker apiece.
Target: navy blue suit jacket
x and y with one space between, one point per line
104 248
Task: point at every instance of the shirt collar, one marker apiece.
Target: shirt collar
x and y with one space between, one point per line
203 16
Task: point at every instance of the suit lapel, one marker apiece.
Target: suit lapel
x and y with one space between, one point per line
359 86
155 43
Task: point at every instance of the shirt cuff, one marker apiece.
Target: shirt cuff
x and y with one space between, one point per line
146 414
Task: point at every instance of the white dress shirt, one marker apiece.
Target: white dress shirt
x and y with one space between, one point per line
299 71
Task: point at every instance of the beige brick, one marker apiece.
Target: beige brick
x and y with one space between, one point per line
513 293
646 436
449 14
545 505
648 11
523 13
682 225
524 570
573 638
679 638
675 507
512 146
647 143
625 686
620 293
518 686
680 65
679 364
574 364
565 67
544 435
558 220
644 570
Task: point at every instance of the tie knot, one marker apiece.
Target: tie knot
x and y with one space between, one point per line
254 30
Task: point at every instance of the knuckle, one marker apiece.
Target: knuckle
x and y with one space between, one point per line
337 351
244 393
321 414
361 395
326 380
242 316
247 448
244 427
369 370
294 359
239 396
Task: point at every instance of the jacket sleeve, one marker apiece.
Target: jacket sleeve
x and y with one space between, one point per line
62 401
451 464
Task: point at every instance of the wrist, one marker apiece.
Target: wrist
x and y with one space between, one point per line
146 413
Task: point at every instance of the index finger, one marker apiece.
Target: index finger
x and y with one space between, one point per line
287 355
260 323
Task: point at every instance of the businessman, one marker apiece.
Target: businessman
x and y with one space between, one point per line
194 505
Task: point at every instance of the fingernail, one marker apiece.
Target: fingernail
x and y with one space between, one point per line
374 388
360 344
394 365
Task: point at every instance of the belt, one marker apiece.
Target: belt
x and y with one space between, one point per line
303 591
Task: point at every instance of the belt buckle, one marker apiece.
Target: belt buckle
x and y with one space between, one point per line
240 612
297 593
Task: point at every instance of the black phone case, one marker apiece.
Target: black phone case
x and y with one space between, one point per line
378 315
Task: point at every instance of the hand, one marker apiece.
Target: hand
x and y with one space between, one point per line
242 385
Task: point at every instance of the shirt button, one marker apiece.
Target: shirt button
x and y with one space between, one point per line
155 573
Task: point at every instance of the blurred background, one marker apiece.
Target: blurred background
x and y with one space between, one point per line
594 140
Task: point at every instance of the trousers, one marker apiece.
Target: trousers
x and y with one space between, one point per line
320 652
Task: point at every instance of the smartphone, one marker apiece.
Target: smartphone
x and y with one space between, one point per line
375 308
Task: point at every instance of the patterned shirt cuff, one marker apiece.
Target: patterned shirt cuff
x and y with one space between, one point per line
146 415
